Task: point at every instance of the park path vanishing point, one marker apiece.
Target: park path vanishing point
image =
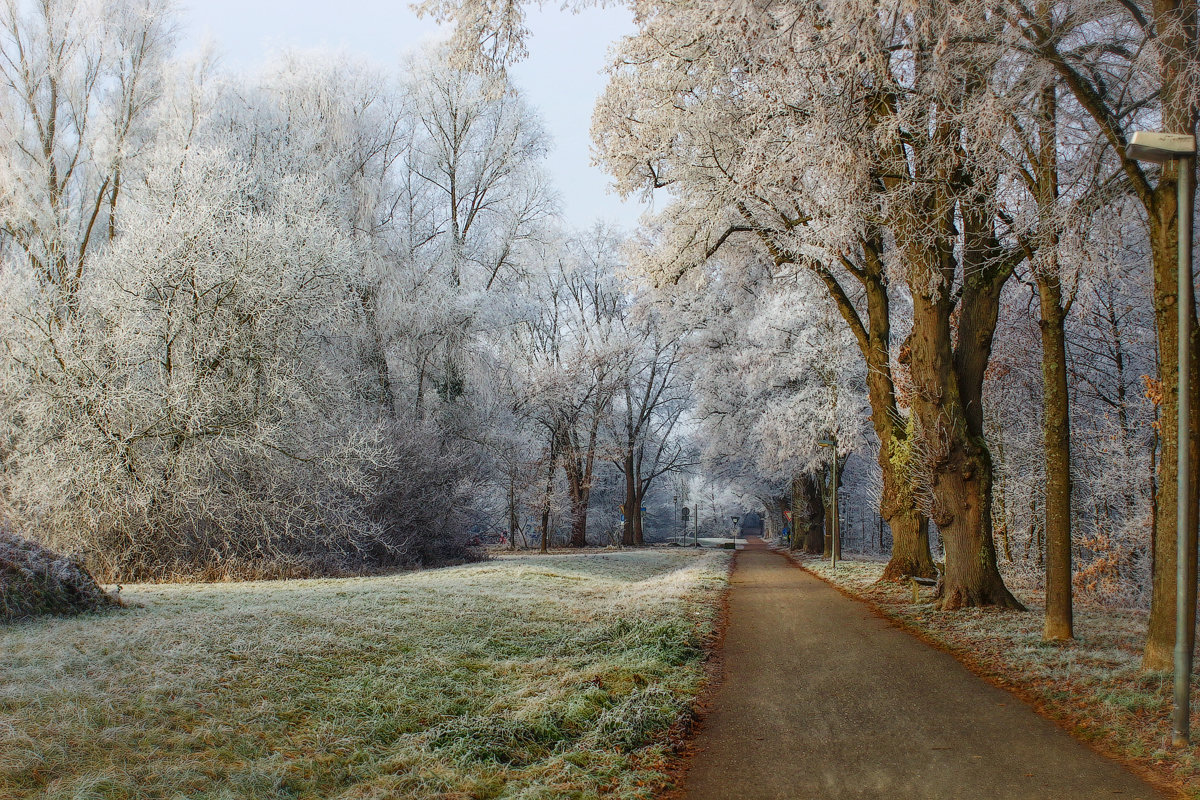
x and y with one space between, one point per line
823 700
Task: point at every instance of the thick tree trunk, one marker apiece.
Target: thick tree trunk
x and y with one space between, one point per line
1056 425
579 494
774 513
1160 641
799 511
910 548
815 540
948 409
1176 46
578 460
639 498
962 491
808 514
579 509
897 502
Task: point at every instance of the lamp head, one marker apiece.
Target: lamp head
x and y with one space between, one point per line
1159 147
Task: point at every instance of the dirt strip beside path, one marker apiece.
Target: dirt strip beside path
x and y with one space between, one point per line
824 700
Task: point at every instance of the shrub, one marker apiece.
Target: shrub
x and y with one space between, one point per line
34 581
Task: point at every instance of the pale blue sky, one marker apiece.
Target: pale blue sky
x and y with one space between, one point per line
561 77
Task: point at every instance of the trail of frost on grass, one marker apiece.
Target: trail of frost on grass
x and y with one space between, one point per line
525 677
1095 684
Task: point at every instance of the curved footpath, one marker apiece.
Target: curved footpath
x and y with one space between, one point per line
822 699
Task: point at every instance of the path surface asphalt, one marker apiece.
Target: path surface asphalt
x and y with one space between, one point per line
823 699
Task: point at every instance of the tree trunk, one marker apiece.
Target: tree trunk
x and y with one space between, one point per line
376 355
829 514
897 502
910 548
808 514
545 545
1056 425
628 535
579 510
579 494
815 540
512 513
1160 641
947 408
1176 47
775 519
1056 417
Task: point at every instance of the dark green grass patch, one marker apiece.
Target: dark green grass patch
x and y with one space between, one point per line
552 677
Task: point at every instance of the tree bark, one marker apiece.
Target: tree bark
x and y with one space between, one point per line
808 514
897 502
628 536
775 508
1160 641
830 515
1056 414
1056 427
813 519
545 544
947 399
1176 43
579 507
639 538
797 498
512 513
910 549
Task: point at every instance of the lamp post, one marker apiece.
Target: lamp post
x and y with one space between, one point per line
735 531
835 550
1161 148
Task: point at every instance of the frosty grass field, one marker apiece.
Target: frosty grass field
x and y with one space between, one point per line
522 677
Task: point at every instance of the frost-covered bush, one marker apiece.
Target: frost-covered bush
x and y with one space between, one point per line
247 322
206 412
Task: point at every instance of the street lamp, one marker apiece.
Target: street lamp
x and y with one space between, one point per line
835 549
1161 148
735 530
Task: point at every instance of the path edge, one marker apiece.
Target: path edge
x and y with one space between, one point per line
972 665
682 735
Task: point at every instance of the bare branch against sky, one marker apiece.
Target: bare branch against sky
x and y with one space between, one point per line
561 78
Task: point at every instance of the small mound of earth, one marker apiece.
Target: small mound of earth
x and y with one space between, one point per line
35 581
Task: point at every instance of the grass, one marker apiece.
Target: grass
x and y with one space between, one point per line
523 677
1093 686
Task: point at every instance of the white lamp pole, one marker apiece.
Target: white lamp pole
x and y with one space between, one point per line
1161 148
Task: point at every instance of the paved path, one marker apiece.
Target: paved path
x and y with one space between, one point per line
824 700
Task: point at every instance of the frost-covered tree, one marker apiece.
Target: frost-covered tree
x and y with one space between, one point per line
78 86
1144 73
219 394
